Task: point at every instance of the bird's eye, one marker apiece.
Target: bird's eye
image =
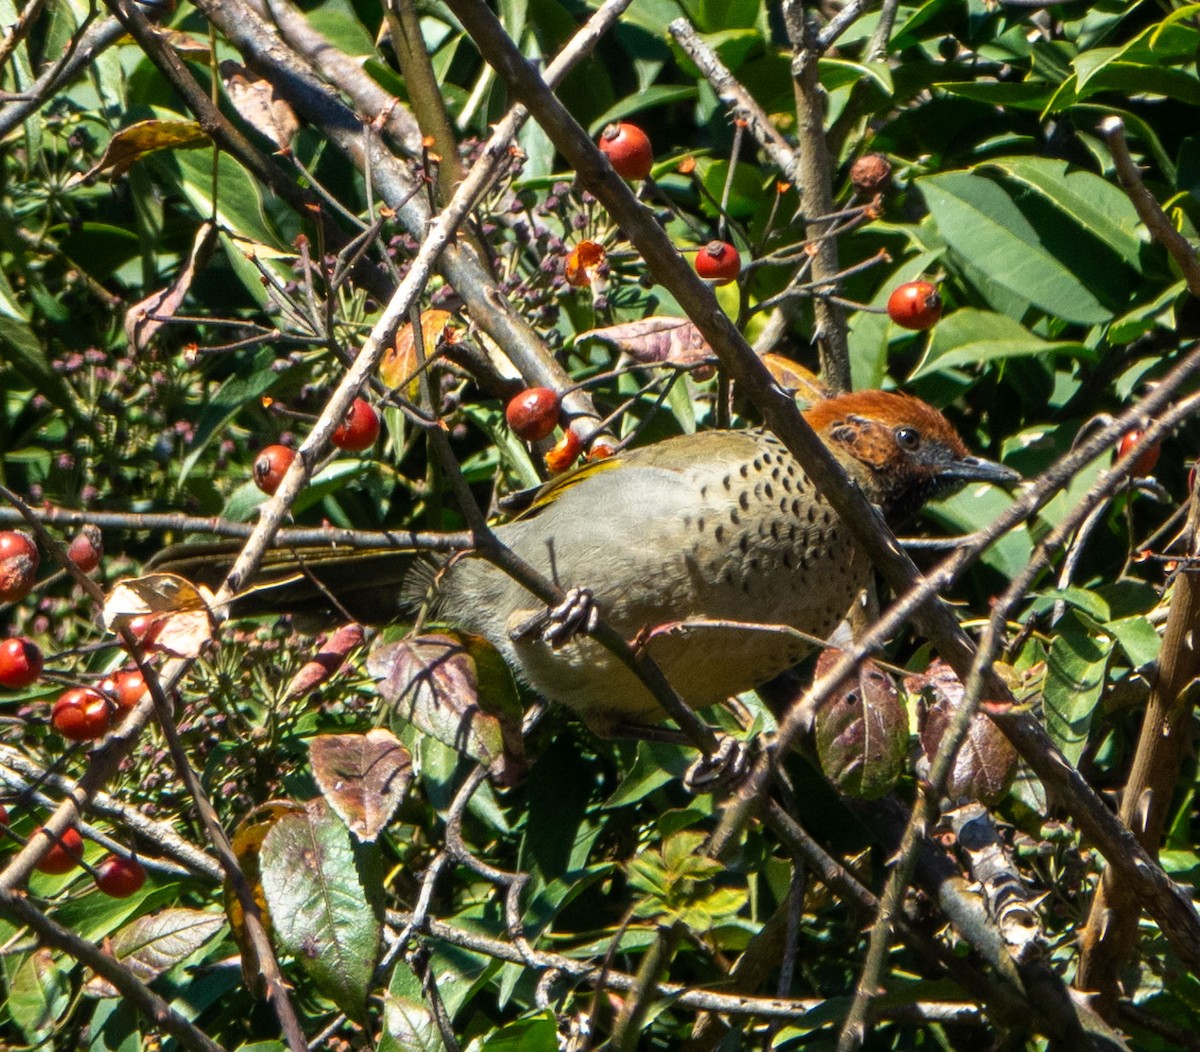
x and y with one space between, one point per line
908 437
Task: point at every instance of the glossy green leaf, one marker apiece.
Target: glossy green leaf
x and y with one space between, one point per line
157 942
1075 673
1097 205
319 894
408 1023
537 1033
1138 638
660 95
975 337
1025 95
38 989
982 223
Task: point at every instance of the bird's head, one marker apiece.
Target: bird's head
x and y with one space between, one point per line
901 451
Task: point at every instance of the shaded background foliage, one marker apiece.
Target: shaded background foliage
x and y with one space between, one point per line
1060 308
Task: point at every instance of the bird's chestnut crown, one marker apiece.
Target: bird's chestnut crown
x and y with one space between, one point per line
901 451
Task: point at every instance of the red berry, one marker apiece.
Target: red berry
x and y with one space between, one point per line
1146 460
628 150
271 466
360 428
20 663
145 629
718 262
915 305
533 414
3 817
18 566
63 855
125 688
87 549
565 452
81 714
120 877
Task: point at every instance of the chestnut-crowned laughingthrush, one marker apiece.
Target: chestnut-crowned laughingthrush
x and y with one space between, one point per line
686 546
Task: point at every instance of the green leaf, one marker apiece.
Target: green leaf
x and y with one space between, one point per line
245 386
1095 606
656 764
320 903
535 1034
981 223
973 337
1022 95
1098 206
157 942
39 991
1075 671
658 95
1138 638
408 1023
20 344
837 73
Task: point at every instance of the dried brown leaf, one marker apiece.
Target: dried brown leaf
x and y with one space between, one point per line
364 777
655 340
147 316
133 143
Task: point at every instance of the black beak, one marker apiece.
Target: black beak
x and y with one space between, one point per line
976 469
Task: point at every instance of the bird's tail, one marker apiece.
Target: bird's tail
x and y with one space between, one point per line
373 585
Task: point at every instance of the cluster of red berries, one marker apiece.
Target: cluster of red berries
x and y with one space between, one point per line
79 714
357 432
628 150
118 876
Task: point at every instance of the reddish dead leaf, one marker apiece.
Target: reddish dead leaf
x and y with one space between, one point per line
146 317
437 682
654 340
326 661
177 609
987 761
582 263
259 104
133 143
364 777
398 367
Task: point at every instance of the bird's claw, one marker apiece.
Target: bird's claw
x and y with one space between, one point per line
724 768
577 614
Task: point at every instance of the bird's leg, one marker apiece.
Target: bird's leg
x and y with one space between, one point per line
576 614
723 769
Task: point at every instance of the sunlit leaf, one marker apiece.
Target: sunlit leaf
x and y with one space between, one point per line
320 896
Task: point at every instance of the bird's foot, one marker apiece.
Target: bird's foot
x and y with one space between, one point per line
576 614
723 769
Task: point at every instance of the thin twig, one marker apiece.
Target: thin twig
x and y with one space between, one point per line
816 187
161 1015
740 102
1148 209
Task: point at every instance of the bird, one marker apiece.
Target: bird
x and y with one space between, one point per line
712 551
